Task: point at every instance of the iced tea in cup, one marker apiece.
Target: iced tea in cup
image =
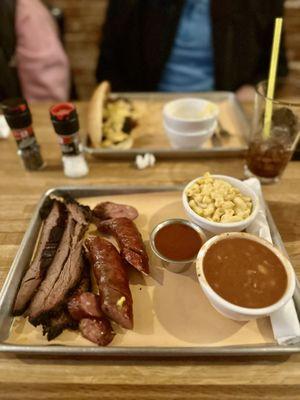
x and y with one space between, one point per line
269 152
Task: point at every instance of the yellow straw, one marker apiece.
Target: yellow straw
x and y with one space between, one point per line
272 77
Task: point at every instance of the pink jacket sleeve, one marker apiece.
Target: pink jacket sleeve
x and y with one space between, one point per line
41 61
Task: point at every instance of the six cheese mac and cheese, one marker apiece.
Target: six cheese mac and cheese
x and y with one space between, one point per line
218 201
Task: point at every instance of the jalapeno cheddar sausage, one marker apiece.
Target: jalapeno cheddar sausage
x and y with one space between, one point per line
130 241
112 280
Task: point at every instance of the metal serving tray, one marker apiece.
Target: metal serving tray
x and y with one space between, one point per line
23 256
151 137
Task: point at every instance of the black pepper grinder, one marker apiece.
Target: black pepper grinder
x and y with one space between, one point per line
65 121
18 118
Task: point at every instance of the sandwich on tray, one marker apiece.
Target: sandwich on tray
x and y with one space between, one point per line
111 120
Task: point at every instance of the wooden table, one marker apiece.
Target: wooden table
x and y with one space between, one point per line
74 378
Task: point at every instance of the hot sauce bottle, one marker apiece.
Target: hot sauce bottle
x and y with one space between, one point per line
65 122
18 118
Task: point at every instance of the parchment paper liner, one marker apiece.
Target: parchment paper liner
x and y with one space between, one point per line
169 309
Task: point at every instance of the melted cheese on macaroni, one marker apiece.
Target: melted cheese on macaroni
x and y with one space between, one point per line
218 201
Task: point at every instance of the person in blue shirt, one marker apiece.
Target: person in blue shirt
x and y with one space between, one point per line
190 66
188 45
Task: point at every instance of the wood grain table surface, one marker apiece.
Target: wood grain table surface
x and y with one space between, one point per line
25 377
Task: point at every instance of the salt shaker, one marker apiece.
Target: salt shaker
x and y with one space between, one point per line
18 118
65 122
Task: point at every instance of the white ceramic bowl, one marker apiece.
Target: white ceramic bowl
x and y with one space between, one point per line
218 227
185 140
231 310
190 115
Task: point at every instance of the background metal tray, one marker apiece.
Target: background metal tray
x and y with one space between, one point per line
23 256
232 117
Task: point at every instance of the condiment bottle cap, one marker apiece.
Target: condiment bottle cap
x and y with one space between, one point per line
64 118
17 113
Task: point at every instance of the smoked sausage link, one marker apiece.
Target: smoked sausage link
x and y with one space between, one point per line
110 210
84 305
130 241
112 280
98 331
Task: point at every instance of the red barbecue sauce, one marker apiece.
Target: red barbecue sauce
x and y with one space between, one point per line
178 242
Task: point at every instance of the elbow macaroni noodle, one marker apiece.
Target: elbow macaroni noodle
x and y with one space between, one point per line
218 201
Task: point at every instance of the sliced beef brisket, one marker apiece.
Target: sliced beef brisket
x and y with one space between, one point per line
52 231
66 271
67 280
80 213
38 303
54 326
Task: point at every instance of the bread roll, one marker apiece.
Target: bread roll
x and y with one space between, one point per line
95 118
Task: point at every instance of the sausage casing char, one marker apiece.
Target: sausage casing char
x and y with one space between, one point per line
130 241
97 330
112 280
93 325
84 305
110 210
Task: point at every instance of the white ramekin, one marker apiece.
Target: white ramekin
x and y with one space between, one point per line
233 311
189 125
218 227
185 140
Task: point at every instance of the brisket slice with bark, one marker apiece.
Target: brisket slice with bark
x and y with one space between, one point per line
52 230
38 302
83 313
81 214
55 325
65 273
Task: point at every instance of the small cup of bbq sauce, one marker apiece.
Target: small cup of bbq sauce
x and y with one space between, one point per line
177 242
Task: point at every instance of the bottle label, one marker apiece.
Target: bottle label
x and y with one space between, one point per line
21 134
24 137
29 150
69 144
